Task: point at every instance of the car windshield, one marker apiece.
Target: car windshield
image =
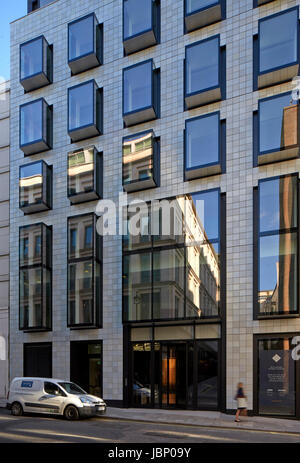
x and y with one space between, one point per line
72 388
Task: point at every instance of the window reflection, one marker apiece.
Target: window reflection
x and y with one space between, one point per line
138 87
202 66
31 58
81 171
183 275
278 123
194 5
81 230
31 184
278 244
31 122
138 157
81 37
278 40
202 141
81 106
137 17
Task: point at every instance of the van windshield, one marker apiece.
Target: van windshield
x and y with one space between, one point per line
72 388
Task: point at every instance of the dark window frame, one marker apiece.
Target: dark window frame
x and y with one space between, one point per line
256 251
154 28
97 45
256 3
155 94
203 10
47 182
221 85
97 190
155 165
47 73
42 266
96 259
97 110
151 248
256 136
47 137
256 53
213 168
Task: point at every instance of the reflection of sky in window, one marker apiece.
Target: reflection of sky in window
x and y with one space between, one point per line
137 16
207 207
271 122
271 197
202 141
194 5
202 66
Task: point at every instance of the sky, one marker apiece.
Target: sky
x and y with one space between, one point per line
9 11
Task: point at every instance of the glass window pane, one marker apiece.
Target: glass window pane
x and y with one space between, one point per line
31 58
81 293
29 237
202 66
31 298
141 387
204 216
31 122
276 122
202 141
81 171
138 157
168 284
278 204
207 374
278 273
202 281
278 40
194 5
81 38
137 286
81 106
138 87
137 17
277 377
31 184
138 228
81 240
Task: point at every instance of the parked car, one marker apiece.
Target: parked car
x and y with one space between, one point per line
52 396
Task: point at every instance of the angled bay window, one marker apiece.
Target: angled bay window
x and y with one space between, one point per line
278 128
140 161
141 93
85 111
278 52
85 175
35 187
35 277
35 127
260 2
36 66
204 146
141 24
199 13
168 277
276 247
203 72
33 5
84 272
85 44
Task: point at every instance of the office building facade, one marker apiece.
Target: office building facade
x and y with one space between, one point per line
193 102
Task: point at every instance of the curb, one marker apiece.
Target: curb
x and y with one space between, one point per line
202 425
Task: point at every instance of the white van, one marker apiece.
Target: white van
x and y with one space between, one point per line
54 396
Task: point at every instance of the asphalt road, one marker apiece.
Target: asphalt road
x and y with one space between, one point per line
42 429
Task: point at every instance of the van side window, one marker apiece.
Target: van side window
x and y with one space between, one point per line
52 389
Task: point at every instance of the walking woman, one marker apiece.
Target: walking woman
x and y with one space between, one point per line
241 402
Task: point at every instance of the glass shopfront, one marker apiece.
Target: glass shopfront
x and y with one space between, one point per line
276 392
175 373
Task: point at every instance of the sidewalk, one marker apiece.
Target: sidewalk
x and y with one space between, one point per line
204 419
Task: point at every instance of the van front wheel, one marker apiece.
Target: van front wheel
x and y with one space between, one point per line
16 409
71 413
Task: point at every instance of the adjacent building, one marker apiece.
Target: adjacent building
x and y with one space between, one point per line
193 102
4 236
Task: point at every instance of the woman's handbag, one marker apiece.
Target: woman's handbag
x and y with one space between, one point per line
241 402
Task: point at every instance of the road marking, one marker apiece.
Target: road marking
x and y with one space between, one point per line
22 438
76 436
198 436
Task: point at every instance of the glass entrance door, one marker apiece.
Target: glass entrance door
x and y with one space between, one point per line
173 375
86 365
